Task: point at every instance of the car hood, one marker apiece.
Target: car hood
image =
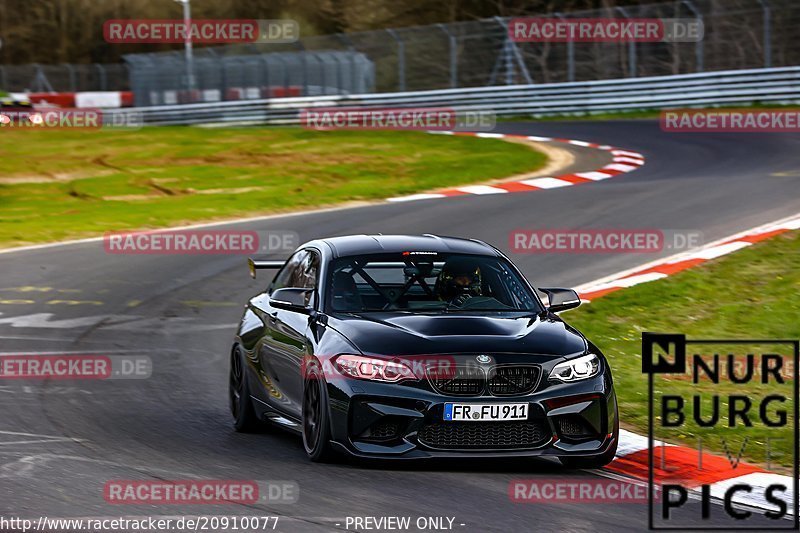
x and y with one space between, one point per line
409 334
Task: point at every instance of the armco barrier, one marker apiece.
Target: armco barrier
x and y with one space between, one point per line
729 88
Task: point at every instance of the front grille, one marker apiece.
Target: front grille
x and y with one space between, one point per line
472 380
483 435
513 380
462 381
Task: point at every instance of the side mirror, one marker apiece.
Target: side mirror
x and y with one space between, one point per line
561 299
292 299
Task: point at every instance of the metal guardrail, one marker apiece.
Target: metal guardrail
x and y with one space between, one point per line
735 87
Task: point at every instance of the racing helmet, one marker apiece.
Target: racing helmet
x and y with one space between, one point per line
459 276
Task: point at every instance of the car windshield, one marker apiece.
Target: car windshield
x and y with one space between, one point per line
427 282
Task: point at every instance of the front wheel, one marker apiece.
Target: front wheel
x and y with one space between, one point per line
316 422
244 416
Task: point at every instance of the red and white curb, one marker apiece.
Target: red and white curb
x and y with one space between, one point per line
666 267
680 463
623 161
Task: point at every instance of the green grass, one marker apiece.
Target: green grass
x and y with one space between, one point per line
62 184
749 294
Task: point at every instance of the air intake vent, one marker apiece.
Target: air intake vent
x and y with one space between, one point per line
574 427
483 435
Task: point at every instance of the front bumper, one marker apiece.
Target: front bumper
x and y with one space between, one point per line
380 420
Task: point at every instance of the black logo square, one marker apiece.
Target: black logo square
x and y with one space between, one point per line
670 352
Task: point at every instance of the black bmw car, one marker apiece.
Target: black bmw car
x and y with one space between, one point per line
418 347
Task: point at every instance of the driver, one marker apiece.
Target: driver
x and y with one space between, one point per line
459 280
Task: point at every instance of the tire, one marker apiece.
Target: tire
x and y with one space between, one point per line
241 405
596 461
316 420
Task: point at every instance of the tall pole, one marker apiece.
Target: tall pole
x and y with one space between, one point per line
767 14
187 21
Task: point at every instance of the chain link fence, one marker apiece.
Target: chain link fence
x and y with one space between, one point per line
65 77
162 79
738 34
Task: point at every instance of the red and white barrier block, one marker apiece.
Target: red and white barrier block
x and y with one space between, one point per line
89 99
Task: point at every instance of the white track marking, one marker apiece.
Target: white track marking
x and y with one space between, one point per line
627 153
759 481
412 197
547 183
596 176
632 161
718 251
42 320
109 322
621 167
630 442
625 282
481 189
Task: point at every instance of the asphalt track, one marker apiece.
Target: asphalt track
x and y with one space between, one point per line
61 441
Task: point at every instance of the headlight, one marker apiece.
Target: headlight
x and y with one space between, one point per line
360 367
583 367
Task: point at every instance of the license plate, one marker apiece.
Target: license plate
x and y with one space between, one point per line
482 412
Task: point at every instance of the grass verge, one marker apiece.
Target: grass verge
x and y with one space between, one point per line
63 184
751 294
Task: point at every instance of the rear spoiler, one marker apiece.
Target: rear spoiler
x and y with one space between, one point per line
258 264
